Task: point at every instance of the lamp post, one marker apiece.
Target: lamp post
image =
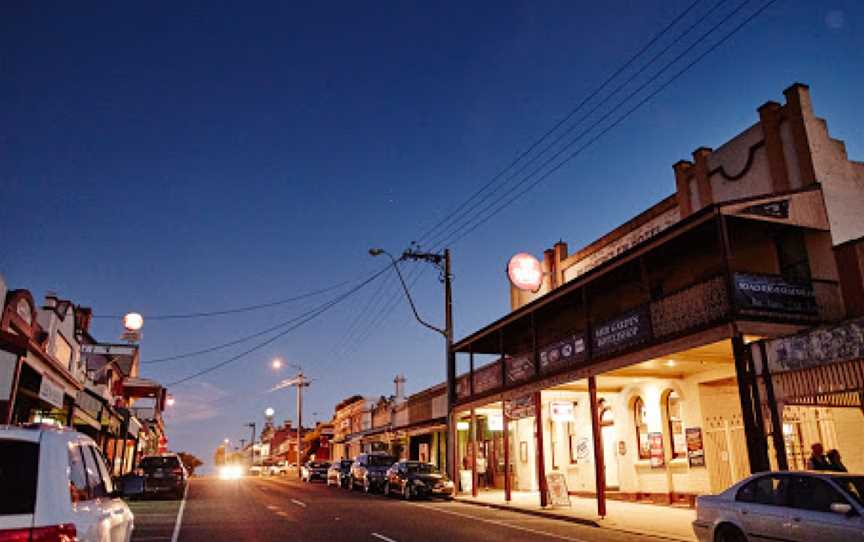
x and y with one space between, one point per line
442 263
252 442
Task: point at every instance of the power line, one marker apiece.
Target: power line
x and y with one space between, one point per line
456 212
310 315
618 121
234 310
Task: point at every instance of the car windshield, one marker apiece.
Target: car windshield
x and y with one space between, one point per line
18 471
853 485
153 463
422 468
381 460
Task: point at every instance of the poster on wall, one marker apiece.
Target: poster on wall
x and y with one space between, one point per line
423 454
655 446
695 448
774 293
558 494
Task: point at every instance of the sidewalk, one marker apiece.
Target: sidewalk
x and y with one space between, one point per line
664 521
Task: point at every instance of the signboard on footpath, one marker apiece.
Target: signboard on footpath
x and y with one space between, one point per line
774 293
558 493
622 332
562 353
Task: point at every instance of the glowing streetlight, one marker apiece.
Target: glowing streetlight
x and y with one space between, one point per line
269 412
170 401
276 364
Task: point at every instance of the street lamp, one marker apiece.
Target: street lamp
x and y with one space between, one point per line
170 400
276 364
269 412
442 263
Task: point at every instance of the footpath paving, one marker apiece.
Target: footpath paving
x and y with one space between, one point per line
645 519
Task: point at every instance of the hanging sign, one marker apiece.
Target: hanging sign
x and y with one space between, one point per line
562 353
774 293
561 411
525 272
520 407
655 447
695 448
558 494
487 378
519 368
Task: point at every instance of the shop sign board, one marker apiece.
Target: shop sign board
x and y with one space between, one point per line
558 494
519 368
820 346
487 378
774 293
88 403
520 407
561 411
525 272
622 332
695 447
562 353
655 447
51 392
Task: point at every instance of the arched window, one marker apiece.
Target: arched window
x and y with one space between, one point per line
676 426
641 425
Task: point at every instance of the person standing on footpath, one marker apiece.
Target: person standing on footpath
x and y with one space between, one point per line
817 460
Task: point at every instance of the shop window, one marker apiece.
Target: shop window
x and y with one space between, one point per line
639 418
792 255
676 426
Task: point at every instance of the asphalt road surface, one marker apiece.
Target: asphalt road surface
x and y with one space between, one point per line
281 509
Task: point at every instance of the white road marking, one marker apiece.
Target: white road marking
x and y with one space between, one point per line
299 503
281 513
382 537
499 523
180 514
272 507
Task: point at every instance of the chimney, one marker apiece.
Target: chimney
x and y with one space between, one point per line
50 300
83 317
400 388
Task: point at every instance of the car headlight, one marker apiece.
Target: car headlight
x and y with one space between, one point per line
230 472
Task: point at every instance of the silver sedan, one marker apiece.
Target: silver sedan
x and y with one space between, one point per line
794 506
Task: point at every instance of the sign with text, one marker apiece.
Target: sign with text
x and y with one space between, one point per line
561 411
520 407
655 447
774 293
819 346
487 378
562 353
695 447
519 368
51 392
622 332
558 493
525 272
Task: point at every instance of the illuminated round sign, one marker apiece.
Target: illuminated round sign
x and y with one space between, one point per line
133 321
525 272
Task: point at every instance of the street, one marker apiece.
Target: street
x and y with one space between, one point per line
273 508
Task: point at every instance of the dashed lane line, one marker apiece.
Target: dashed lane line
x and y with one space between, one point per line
382 537
301 504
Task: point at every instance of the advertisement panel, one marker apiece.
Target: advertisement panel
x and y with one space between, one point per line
519 368
774 293
562 353
695 448
622 332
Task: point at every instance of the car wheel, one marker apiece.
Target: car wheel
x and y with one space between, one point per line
367 487
406 492
729 533
386 489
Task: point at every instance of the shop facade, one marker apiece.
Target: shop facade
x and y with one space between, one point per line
626 370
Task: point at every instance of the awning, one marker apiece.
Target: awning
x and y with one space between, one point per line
83 416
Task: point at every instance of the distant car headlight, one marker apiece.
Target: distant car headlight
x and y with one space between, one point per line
230 472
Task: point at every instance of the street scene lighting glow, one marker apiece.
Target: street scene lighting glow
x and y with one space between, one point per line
170 401
277 363
269 412
133 321
230 472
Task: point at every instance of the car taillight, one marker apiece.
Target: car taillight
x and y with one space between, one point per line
177 472
54 533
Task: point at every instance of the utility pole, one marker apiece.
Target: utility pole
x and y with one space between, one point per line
252 450
442 262
300 382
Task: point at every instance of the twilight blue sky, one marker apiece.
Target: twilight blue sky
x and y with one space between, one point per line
176 157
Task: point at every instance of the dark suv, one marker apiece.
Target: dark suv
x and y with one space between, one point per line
163 474
369 470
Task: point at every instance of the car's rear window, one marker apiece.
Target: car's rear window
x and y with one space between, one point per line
381 460
152 463
853 485
19 469
422 468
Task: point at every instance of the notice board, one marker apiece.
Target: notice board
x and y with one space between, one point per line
557 485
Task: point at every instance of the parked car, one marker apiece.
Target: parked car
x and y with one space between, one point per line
314 470
368 471
163 474
339 473
799 506
276 469
417 479
55 486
